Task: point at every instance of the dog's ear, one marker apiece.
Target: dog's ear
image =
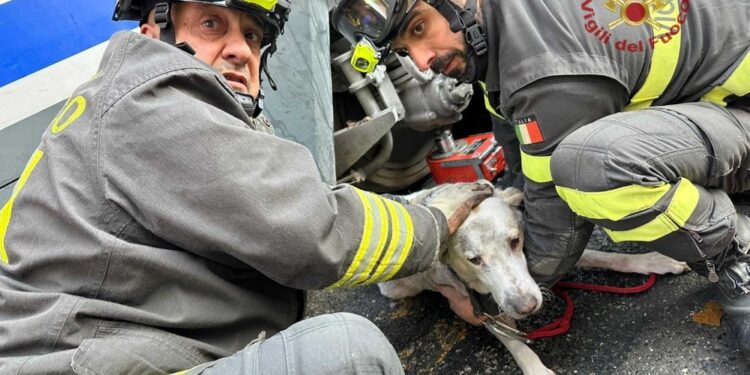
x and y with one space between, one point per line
511 196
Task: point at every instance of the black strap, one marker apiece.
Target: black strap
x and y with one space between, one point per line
162 15
163 18
463 19
474 33
482 303
265 54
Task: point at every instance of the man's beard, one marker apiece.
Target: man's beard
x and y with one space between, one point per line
440 62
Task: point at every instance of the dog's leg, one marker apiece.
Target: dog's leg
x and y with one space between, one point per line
527 360
399 288
633 263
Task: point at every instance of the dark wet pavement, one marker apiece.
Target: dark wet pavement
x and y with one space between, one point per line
649 333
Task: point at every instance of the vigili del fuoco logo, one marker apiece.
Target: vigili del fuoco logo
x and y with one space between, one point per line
664 17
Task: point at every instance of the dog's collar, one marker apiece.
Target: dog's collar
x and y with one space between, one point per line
497 327
484 305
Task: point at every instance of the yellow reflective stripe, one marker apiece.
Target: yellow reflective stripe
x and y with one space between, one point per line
737 84
8 208
395 238
363 244
655 229
398 244
198 368
265 4
663 66
395 229
80 103
487 103
536 168
406 248
612 204
683 204
384 222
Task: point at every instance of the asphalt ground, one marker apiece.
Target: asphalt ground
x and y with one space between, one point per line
649 333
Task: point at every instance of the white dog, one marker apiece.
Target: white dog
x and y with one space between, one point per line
486 254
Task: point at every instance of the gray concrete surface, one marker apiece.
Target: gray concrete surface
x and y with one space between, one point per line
650 333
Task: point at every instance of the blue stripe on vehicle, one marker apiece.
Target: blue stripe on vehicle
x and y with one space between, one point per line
36 34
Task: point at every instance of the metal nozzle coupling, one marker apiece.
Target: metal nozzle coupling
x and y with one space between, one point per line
445 143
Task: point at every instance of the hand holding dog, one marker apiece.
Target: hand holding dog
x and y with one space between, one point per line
461 305
456 200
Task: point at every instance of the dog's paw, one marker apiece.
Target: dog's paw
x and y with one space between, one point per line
539 369
656 263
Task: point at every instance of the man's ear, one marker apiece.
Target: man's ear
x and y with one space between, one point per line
151 30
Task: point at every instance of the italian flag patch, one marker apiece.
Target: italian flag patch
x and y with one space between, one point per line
527 130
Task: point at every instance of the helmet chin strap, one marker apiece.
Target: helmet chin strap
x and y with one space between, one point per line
474 35
163 17
252 106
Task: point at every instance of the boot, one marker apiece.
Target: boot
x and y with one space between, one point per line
734 284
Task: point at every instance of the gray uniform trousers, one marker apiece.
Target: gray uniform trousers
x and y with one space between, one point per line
339 343
702 142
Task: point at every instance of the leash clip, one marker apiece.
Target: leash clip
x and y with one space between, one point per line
496 326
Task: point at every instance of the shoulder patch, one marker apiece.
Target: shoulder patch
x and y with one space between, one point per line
527 130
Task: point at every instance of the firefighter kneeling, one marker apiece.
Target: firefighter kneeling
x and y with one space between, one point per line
161 227
658 174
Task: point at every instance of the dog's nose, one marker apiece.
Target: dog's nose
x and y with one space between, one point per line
525 304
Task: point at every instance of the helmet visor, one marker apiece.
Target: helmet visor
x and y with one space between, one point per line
374 19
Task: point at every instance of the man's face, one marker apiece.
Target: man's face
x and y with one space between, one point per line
429 41
227 39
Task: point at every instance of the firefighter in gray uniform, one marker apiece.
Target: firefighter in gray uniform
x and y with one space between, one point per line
632 115
159 226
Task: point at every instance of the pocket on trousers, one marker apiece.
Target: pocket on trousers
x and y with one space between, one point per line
132 349
692 246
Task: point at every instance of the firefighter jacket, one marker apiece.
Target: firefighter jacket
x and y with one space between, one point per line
554 66
157 220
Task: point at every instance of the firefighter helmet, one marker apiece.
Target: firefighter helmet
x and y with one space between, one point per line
371 25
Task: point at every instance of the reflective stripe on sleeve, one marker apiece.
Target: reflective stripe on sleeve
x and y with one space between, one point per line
737 84
362 274
536 168
5 213
487 103
403 243
387 228
618 203
663 67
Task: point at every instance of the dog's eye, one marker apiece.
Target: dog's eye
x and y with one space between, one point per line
514 243
476 260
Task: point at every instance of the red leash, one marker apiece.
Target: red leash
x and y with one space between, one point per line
562 324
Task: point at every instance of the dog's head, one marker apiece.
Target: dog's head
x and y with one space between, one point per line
486 253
